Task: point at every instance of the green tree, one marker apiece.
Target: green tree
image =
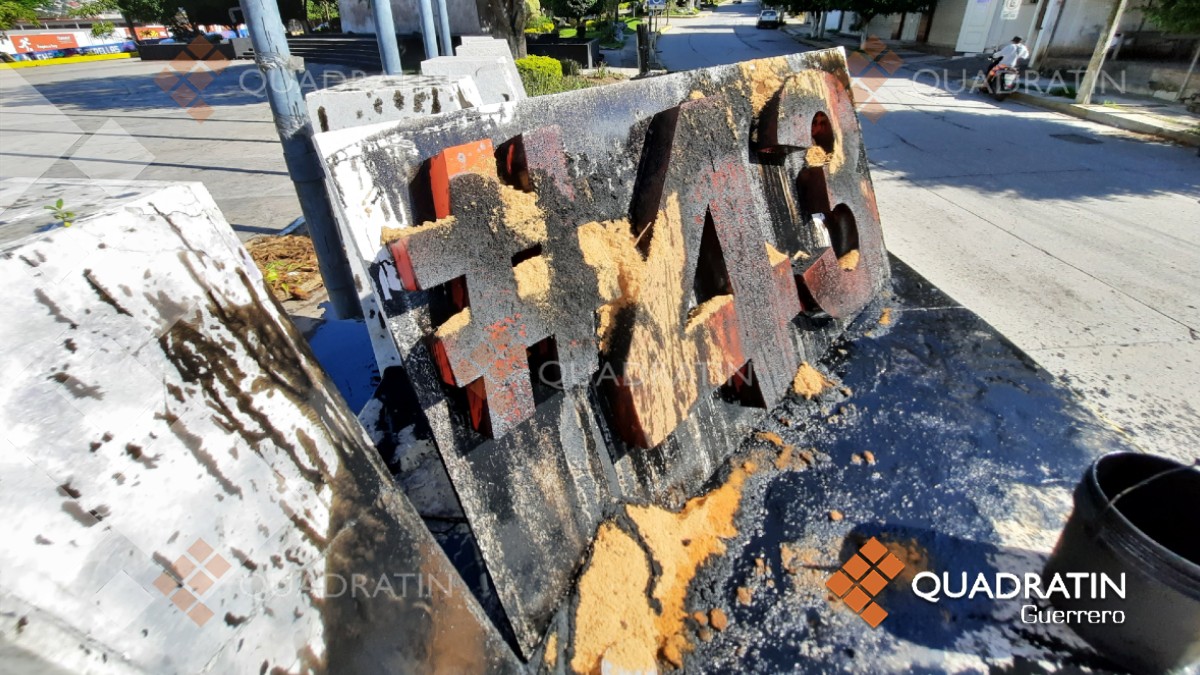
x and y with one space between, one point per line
13 12
819 8
1179 16
167 12
866 10
1176 16
131 11
322 10
573 9
103 30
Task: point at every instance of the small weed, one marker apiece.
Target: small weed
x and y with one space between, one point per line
275 273
61 214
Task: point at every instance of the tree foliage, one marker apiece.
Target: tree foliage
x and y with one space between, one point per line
1176 16
13 12
182 16
571 9
869 9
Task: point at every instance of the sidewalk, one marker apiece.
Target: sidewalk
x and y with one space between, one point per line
912 54
1155 117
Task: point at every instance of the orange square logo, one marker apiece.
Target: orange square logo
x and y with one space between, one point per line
864 576
193 574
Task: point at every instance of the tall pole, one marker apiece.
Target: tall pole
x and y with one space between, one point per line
273 57
1096 65
1188 77
428 33
444 28
385 35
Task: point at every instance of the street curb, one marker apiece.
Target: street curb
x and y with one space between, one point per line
803 39
1108 119
65 60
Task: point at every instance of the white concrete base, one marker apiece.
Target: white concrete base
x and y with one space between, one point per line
488 62
387 98
181 487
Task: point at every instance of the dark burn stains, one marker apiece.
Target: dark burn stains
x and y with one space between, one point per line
135 453
214 366
67 491
77 388
323 118
101 292
436 106
419 101
73 509
398 100
51 307
244 559
195 445
378 106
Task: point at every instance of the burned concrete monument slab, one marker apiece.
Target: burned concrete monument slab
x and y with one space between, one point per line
593 294
186 489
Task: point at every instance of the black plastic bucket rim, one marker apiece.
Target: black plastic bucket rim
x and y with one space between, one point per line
1118 531
1132 518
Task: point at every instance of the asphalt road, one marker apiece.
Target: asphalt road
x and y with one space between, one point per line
110 119
725 35
1078 242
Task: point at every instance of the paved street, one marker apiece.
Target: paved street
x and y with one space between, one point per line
1079 242
726 35
110 119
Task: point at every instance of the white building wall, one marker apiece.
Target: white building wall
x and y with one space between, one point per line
1079 27
947 21
1002 32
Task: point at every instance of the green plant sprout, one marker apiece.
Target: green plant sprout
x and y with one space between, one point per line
60 213
275 279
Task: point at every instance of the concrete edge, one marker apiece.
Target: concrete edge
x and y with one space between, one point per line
65 60
1108 119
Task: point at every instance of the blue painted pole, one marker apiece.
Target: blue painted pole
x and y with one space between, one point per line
274 60
444 27
428 32
385 34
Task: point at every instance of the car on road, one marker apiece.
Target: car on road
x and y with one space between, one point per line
769 18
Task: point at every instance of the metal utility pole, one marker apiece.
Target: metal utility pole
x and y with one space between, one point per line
428 33
1188 77
444 28
274 59
385 34
1096 65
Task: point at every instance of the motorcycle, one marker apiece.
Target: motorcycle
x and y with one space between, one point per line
1001 80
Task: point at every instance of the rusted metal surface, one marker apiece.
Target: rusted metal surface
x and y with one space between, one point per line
675 247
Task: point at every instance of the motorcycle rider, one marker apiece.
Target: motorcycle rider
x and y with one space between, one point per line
1014 55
